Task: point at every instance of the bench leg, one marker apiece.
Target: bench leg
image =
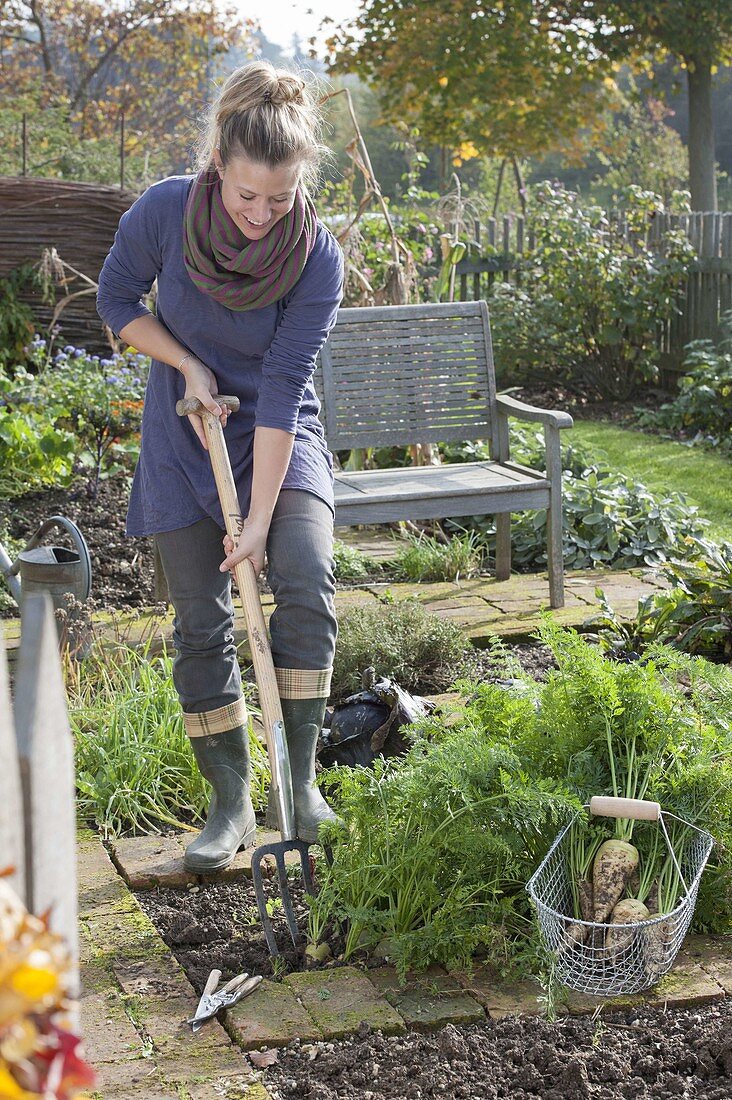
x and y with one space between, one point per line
503 546
555 562
555 557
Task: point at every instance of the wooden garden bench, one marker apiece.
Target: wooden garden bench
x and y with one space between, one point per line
398 375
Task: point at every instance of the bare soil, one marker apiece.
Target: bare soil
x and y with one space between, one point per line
635 1054
123 570
638 1054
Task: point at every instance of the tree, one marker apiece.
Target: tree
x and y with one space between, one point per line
503 78
515 76
152 60
698 35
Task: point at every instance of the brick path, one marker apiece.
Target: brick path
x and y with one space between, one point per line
482 606
136 997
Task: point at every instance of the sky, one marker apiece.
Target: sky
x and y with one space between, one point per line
280 19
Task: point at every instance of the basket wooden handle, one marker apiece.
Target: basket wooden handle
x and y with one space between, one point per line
635 808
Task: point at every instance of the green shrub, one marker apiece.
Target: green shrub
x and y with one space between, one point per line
702 409
419 650
424 558
694 615
608 518
34 453
15 315
591 298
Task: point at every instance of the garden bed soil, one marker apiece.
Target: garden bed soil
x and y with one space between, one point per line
638 1054
215 926
123 569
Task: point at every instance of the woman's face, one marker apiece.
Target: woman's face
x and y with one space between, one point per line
256 197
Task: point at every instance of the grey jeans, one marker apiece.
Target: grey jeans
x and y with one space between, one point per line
300 573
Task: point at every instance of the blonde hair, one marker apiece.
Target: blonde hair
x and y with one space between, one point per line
270 116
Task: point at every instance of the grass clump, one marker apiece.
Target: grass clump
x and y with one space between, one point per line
134 765
419 650
424 558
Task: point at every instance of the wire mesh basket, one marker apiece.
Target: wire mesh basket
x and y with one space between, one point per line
643 951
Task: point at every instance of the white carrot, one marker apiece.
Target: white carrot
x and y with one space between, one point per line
627 911
615 863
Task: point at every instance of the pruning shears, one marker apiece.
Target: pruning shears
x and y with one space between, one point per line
214 999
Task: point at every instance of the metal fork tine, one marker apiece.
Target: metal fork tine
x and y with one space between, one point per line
287 900
258 881
279 851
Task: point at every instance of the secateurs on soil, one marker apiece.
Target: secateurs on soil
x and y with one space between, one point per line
269 698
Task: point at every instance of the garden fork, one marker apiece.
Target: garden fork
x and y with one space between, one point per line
274 727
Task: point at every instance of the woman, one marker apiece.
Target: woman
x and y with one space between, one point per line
249 283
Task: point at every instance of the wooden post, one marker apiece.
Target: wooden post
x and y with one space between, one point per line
122 152
12 852
24 145
46 755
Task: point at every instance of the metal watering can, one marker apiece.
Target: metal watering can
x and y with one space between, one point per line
52 569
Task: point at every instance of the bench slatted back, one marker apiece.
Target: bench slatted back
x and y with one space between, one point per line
395 375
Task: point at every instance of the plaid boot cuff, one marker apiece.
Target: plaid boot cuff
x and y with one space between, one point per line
303 683
216 721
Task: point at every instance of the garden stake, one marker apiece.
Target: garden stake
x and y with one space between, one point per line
264 672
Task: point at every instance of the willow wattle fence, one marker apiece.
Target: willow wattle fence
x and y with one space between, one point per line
79 220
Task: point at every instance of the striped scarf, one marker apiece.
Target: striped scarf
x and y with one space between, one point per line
238 273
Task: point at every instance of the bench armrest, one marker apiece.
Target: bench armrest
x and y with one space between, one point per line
511 406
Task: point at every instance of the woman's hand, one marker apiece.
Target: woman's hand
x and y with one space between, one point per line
201 383
250 544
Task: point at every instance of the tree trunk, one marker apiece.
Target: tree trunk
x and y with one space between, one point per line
702 166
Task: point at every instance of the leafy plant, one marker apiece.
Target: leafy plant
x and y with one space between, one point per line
658 727
419 650
694 615
16 316
702 409
351 564
34 453
425 558
591 296
434 853
608 518
98 400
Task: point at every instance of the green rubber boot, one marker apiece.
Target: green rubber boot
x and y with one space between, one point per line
303 723
223 759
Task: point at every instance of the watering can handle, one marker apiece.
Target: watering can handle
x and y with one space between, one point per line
76 537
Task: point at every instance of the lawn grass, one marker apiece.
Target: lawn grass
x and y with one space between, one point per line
662 464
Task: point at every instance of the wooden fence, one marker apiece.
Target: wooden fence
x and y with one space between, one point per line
705 297
37 792
79 220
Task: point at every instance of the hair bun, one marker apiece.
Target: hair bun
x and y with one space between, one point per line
287 88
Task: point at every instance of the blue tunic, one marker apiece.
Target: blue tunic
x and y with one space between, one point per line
265 357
